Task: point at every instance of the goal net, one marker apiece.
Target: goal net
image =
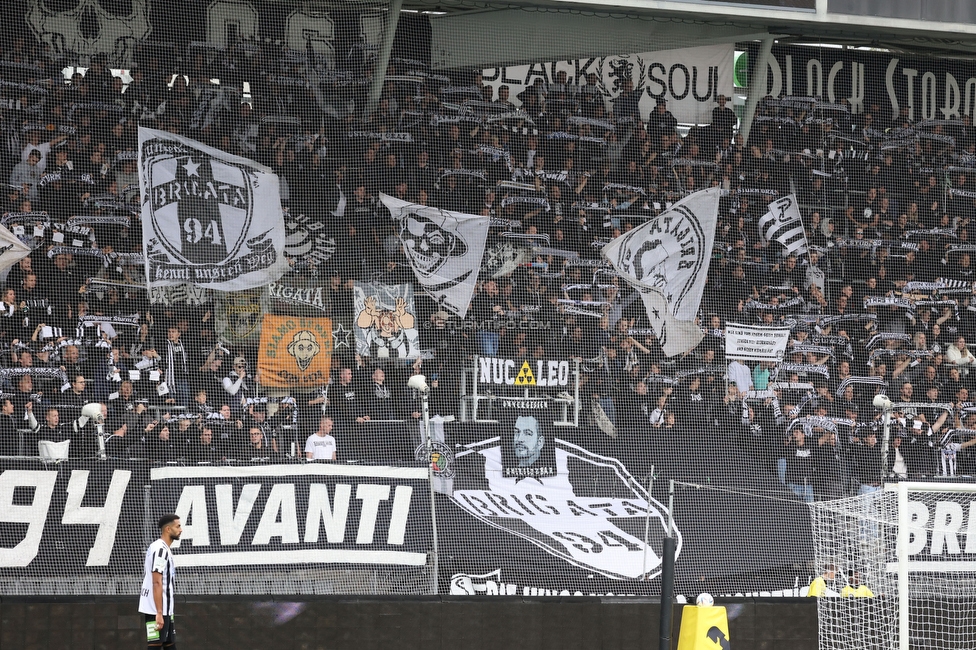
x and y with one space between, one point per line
897 568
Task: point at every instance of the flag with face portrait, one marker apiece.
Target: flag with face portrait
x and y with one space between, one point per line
444 249
209 218
666 260
295 352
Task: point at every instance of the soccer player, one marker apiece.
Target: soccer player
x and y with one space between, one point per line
157 597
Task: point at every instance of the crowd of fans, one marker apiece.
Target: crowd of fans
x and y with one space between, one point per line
880 303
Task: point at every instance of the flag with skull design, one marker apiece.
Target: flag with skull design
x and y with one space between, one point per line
444 249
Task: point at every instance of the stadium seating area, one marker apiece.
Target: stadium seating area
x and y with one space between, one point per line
882 302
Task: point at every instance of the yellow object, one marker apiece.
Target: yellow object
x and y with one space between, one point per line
525 376
704 628
861 591
818 587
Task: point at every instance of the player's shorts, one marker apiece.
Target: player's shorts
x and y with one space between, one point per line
159 638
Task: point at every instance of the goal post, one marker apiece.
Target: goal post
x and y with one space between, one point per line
899 566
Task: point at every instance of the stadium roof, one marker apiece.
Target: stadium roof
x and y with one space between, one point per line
680 23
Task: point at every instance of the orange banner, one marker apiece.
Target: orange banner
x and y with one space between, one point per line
295 352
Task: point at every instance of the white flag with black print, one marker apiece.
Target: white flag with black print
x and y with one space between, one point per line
209 218
12 250
784 225
444 249
666 260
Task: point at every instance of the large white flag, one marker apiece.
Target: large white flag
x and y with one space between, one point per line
12 250
666 260
784 224
209 218
444 249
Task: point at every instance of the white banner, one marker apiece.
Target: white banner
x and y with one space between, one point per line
209 218
12 250
666 260
783 224
385 321
689 79
444 249
749 343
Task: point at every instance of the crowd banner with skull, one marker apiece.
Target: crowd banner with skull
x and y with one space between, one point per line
295 352
444 249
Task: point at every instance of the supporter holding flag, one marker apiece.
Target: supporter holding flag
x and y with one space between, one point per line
666 260
784 225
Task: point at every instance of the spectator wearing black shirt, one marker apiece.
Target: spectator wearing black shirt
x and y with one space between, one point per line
9 437
800 466
831 466
203 449
382 399
661 121
723 120
868 462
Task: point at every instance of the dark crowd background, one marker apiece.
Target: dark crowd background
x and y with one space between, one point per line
880 303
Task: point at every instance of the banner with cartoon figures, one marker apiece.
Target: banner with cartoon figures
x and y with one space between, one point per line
295 352
385 321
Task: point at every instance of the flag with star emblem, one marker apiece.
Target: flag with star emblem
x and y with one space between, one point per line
666 260
209 218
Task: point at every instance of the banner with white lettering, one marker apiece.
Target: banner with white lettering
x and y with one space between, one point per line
752 343
294 298
928 88
549 517
520 511
297 514
209 218
536 373
689 79
94 505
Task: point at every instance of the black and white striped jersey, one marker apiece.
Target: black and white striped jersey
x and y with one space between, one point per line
159 559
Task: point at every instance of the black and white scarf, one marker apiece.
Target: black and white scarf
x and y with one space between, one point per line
175 354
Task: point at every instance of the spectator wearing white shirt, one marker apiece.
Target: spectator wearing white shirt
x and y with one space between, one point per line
42 148
959 355
321 445
740 375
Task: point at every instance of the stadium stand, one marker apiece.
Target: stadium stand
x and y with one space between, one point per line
873 284
881 302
